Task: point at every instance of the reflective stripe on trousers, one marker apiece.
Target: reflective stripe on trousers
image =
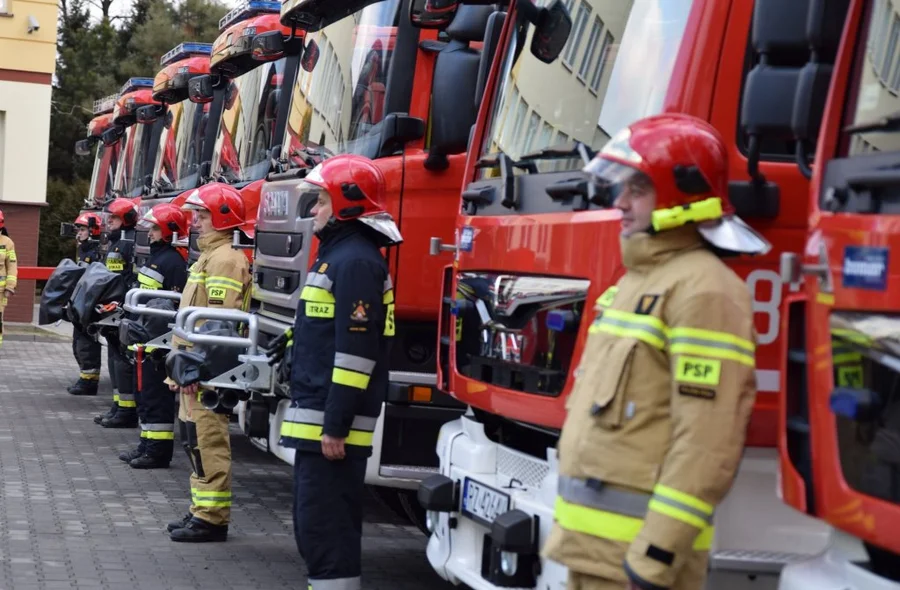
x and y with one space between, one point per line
592 508
210 498
126 400
341 584
158 431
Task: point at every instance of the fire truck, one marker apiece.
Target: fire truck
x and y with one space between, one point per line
370 83
188 133
533 251
139 140
840 458
253 114
105 160
106 157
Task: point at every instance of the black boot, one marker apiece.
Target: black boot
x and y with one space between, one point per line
108 415
200 531
124 418
84 387
180 523
146 461
134 453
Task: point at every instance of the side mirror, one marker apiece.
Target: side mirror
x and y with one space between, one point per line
432 14
149 113
83 147
398 129
268 46
200 89
310 56
112 135
551 31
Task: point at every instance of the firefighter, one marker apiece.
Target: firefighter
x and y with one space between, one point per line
8 270
165 269
123 215
339 366
87 349
219 279
658 414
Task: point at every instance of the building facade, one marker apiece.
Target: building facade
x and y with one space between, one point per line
27 62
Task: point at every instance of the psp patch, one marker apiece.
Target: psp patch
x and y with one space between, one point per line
699 371
865 267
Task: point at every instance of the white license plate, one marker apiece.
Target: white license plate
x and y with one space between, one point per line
483 503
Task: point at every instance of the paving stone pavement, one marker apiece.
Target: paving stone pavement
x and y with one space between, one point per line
72 515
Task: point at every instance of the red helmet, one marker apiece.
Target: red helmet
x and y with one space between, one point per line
2 220
357 189
684 159
125 209
223 202
84 220
169 218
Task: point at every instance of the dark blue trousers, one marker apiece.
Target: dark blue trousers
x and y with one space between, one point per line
328 497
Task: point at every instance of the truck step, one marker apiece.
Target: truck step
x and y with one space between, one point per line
413 472
763 562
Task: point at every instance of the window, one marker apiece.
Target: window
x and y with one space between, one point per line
521 111
888 58
508 129
546 134
880 36
590 52
5 7
873 87
533 123
601 63
578 27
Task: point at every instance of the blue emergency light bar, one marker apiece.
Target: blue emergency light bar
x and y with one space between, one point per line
105 104
246 10
136 84
185 50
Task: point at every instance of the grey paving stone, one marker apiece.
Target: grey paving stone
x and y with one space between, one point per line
73 516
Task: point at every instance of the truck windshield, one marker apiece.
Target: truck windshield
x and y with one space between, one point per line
875 85
181 146
248 124
614 70
134 159
338 107
104 171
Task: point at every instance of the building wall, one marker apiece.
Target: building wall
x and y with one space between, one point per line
27 63
24 140
24 51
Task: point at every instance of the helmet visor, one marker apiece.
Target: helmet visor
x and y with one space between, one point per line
611 179
148 221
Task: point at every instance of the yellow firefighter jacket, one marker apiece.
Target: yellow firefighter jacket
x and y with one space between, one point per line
8 269
657 417
220 278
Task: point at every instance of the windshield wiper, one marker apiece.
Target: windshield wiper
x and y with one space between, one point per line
562 151
485 195
887 123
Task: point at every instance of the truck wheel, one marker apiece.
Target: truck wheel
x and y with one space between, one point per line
414 510
388 498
